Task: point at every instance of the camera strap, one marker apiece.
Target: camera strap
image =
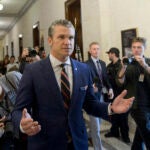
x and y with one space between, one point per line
10 82
12 93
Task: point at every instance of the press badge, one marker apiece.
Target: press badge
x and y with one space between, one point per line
141 78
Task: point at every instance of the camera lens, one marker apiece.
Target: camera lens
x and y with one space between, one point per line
125 61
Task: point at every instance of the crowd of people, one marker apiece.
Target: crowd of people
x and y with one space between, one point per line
28 55
10 77
46 99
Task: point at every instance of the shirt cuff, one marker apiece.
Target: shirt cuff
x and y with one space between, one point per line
110 111
21 129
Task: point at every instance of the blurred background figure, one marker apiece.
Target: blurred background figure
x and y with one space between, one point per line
12 66
37 49
119 121
99 77
8 89
28 56
5 63
42 53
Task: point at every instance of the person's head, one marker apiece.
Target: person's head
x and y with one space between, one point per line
94 49
138 46
25 52
7 56
12 59
61 39
113 53
42 53
33 56
37 48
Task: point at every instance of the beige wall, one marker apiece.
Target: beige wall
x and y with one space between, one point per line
44 12
1 50
102 21
121 15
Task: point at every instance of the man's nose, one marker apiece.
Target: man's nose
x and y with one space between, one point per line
67 41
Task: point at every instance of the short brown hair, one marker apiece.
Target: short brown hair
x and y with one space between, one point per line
139 39
61 22
93 43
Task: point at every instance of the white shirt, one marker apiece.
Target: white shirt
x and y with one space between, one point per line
57 70
9 66
95 61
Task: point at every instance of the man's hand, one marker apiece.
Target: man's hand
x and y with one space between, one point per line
28 125
121 105
140 60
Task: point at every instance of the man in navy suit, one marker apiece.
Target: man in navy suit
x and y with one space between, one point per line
100 84
40 112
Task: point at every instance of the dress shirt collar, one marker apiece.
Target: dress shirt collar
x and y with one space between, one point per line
94 59
55 62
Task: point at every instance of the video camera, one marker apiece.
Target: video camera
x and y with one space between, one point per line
32 53
127 61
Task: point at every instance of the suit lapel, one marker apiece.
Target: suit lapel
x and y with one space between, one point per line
93 66
51 81
75 73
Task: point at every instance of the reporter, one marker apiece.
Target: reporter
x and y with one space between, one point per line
135 76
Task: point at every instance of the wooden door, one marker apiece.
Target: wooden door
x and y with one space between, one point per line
73 13
20 45
36 35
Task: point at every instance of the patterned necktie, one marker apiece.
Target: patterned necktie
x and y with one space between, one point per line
99 69
65 87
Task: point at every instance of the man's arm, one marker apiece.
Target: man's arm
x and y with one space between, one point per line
121 73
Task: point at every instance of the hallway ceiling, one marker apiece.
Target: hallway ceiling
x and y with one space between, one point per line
13 10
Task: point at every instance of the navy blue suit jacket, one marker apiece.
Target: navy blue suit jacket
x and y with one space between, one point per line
40 94
94 74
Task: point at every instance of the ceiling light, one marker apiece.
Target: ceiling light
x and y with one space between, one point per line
20 35
1 6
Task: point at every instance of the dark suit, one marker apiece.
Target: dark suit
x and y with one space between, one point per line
39 90
94 121
94 74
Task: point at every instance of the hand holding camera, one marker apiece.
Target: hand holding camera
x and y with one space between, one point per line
127 61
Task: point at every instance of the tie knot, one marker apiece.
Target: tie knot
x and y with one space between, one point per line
62 65
97 61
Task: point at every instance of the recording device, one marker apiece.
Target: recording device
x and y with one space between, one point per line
32 53
8 124
127 61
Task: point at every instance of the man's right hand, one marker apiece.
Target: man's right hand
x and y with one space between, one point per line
28 125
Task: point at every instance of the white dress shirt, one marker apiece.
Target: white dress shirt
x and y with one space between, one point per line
57 70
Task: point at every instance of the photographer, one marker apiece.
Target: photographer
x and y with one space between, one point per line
28 55
6 140
8 87
135 76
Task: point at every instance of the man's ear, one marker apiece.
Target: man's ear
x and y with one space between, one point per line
50 41
89 51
